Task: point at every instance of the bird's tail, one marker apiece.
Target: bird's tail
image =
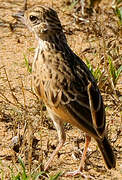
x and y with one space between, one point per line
107 153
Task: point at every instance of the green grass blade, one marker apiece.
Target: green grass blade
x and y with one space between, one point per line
2 174
29 68
95 72
118 72
113 72
55 177
119 14
37 175
24 175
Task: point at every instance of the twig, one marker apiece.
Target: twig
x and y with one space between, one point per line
14 97
6 99
23 92
2 67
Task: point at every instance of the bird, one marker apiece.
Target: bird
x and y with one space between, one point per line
66 86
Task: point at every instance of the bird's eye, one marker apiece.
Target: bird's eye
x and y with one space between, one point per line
33 18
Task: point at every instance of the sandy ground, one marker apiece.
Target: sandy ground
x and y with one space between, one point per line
20 109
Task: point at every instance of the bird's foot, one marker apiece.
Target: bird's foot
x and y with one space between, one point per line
74 173
77 173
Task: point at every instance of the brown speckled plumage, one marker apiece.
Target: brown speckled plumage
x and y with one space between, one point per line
64 83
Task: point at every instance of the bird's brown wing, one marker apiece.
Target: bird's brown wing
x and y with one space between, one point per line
73 95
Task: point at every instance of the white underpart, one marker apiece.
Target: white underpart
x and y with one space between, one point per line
41 46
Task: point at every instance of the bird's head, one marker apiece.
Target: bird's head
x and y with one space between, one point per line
41 20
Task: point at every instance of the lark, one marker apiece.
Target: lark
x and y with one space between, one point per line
65 84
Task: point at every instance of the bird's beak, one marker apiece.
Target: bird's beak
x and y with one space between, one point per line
19 16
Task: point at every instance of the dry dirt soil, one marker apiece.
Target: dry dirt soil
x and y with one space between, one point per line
26 131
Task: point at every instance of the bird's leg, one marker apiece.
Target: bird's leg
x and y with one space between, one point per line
62 137
82 162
